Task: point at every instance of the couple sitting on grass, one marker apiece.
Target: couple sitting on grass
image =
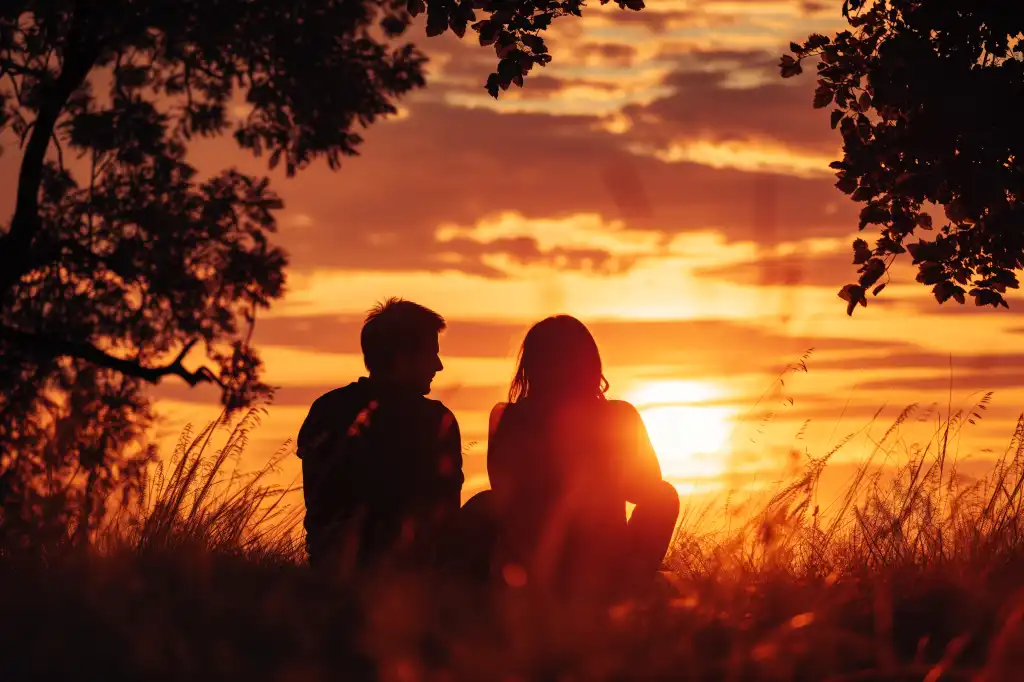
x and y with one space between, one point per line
382 469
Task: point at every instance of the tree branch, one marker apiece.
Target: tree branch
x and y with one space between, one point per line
49 346
9 67
15 245
60 151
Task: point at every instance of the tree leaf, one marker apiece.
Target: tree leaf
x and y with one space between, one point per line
816 41
861 252
823 96
790 67
488 33
437 19
864 193
956 211
847 183
872 271
853 294
930 272
984 297
417 7
493 85
943 291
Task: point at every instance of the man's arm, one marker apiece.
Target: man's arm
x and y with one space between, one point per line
449 469
313 435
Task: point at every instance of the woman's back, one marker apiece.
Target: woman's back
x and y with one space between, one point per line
561 474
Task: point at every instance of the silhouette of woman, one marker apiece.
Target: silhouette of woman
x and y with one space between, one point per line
563 461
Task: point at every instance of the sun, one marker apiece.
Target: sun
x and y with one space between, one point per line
690 436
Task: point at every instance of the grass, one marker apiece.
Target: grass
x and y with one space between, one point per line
915 573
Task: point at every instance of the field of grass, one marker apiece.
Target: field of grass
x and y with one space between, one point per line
916 574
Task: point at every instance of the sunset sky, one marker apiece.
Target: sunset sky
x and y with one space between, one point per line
659 181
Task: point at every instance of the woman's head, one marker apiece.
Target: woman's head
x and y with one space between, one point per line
558 359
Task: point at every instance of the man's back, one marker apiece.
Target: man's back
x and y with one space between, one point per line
381 469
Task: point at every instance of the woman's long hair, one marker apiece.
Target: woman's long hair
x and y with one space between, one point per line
559 359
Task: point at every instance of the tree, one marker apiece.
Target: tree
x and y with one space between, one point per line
926 96
120 258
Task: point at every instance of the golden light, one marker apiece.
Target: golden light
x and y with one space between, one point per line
690 436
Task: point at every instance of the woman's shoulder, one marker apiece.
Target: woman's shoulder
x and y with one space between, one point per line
622 407
497 412
615 408
600 413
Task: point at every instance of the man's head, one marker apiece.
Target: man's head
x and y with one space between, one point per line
399 341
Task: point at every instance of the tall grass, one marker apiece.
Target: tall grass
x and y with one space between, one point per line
903 505
201 499
914 572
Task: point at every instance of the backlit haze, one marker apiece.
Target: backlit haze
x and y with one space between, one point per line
659 181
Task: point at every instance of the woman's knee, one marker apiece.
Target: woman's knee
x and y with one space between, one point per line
480 506
665 499
484 498
479 514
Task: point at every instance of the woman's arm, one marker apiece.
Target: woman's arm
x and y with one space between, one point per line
654 517
642 471
495 419
497 461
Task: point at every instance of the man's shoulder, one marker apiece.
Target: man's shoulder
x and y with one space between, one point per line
338 396
435 408
434 418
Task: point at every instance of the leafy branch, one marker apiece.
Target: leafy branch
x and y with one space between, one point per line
52 347
513 27
913 146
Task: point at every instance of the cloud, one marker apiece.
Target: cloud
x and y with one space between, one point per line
667 16
585 241
952 365
746 155
822 262
607 54
444 165
974 381
740 101
694 151
653 133
789 270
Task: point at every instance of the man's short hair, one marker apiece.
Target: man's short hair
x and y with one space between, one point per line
395 326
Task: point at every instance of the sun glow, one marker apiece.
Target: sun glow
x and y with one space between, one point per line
689 435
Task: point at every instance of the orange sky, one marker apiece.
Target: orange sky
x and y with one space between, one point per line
661 182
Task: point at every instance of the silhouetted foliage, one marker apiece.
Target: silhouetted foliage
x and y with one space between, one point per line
513 27
121 257
927 97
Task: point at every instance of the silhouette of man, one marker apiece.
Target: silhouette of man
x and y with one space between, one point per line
381 463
